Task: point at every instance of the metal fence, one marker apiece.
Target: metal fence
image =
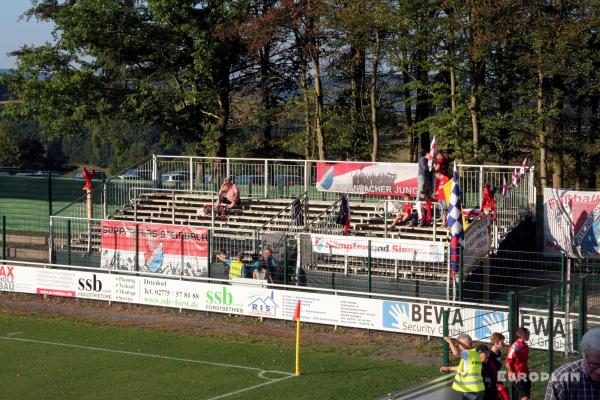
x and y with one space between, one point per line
371 266
26 202
557 315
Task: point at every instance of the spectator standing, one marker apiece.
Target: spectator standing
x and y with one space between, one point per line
234 268
261 272
423 182
440 196
488 372
229 194
270 263
468 378
488 205
579 379
495 364
516 364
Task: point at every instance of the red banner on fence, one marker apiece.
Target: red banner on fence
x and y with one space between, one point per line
386 179
172 249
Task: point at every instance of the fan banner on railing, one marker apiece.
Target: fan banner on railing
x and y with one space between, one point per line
170 249
572 223
390 249
477 242
367 178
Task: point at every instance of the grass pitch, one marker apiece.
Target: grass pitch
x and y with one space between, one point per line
55 358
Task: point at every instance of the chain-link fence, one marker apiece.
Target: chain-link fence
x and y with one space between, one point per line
556 316
25 205
375 265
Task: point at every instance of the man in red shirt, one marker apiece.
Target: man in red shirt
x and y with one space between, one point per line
516 364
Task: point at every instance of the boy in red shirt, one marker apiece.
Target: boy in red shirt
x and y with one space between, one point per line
440 181
516 364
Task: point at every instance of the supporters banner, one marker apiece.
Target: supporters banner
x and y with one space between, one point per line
367 178
390 249
252 298
170 249
572 223
478 241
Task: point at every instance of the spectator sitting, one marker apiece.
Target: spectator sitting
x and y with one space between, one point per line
234 268
405 213
229 194
261 272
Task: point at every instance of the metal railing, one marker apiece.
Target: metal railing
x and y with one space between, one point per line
520 201
395 267
293 218
326 221
144 197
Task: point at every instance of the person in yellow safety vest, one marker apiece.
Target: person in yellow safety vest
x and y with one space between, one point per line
468 378
234 268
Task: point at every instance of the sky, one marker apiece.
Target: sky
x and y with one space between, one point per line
15 33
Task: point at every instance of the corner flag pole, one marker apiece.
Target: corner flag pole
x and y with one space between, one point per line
297 319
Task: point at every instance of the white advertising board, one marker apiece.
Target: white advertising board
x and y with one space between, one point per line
391 249
357 312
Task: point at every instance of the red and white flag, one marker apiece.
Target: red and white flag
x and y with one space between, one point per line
516 177
431 154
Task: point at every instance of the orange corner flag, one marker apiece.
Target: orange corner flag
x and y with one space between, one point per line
296 316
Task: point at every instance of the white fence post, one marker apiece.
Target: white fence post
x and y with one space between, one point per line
191 174
154 169
306 176
266 194
480 186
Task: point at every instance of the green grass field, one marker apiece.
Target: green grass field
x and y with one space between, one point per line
54 358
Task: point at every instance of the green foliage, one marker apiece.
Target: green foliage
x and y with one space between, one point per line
203 77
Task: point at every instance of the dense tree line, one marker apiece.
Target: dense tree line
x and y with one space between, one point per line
493 81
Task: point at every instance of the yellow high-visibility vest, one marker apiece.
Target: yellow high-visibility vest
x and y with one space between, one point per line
235 269
469 380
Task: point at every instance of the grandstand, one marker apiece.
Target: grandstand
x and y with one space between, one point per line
282 208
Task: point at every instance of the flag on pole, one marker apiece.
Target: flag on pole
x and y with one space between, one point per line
431 154
296 316
455 223
517 174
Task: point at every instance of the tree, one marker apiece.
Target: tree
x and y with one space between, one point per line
163 62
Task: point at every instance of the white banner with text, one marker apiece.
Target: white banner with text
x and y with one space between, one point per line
356 312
